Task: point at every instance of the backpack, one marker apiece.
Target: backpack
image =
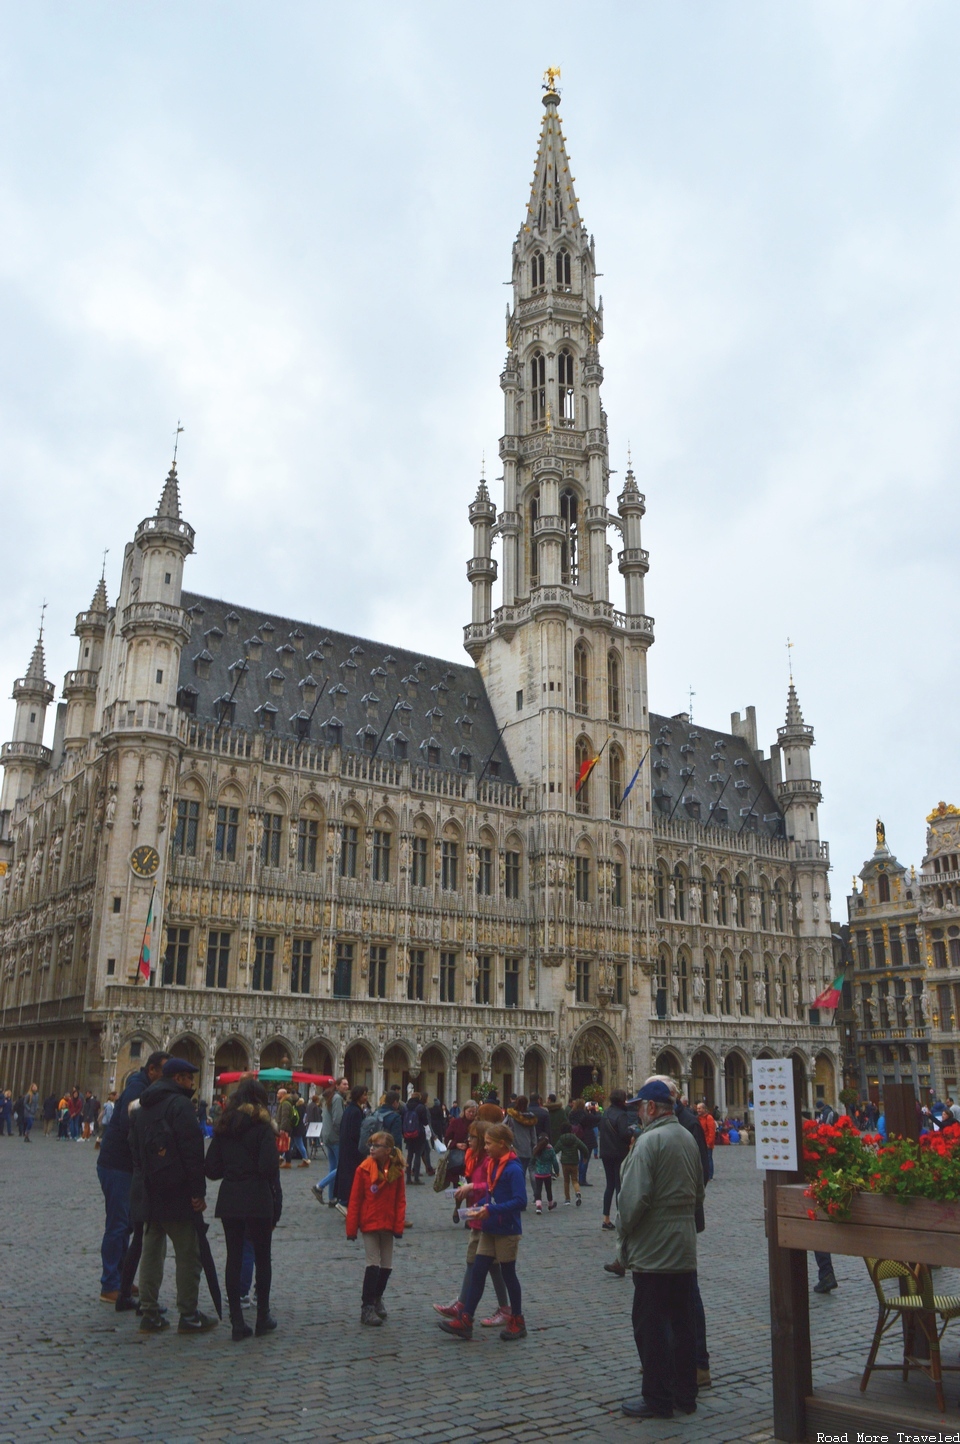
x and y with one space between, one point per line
295 1116
411 1125
373 1123
162 1165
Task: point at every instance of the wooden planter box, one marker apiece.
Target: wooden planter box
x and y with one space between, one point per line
916 1230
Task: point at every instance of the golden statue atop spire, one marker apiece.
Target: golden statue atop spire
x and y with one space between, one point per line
550 77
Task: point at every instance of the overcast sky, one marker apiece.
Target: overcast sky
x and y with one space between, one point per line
288 224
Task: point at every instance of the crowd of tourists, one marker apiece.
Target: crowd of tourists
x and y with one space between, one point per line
159 1147
491 1160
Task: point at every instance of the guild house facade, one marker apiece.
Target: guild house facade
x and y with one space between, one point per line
358 858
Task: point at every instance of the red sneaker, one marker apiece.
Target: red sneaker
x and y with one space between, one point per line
501 1317
448 1311
516 1329
460 1326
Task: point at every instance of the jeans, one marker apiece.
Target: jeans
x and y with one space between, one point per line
333 1158
478 1279
664 1327
75 1126
709 1164
582 1167
297 1148
246 1267
414 1155
115 1185
539 1184
260 1232
182 1234
824 1263
611 1167
131 1261
27 1125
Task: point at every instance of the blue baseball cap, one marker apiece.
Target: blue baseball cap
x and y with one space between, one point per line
653 1092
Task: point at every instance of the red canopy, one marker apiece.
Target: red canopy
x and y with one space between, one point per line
277 1075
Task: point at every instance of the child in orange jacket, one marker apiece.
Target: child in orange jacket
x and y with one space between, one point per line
377 1209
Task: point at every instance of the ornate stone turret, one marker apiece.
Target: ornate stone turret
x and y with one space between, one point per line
24 757
634 561
798 793
481 568
80 685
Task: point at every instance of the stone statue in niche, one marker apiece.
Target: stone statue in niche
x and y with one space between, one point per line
137 809
798 908
111 811
758 996
738 992
164 808
698 986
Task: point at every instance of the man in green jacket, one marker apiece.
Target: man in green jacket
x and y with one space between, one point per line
661 1186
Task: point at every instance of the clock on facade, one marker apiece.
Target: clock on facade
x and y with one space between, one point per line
145 861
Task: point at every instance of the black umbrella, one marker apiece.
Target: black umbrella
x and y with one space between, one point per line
209 1267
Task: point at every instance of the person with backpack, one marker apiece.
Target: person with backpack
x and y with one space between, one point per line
298 1137
243 1154
414 1125
167 1148
571 1150
384 1119
115 1175
545 1168
377 1209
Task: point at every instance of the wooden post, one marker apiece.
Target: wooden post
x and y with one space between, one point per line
789 1310
900 1111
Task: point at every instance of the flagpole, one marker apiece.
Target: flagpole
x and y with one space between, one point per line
593 764
635 775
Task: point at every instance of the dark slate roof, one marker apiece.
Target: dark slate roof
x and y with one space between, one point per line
442 703
717 765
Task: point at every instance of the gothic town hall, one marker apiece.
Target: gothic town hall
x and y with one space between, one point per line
365 860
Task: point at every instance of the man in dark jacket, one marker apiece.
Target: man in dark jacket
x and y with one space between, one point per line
558 1118
614 1131
540 1113
115 1171
167 1147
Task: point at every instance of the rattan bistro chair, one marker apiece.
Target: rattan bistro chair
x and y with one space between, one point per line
917 1306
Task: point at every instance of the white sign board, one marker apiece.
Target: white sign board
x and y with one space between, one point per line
774 1114
313 1130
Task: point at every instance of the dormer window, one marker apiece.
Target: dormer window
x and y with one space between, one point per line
225 710
367 738
300 724
266 716
202 662
187 700
276 680
334 731
399 742
563 269
232 621
464 761
537 272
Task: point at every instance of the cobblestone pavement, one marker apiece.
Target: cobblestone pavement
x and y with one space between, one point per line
76 1370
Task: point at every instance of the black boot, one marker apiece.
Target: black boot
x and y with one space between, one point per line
241 1329
266 1323
368 1314
382 1276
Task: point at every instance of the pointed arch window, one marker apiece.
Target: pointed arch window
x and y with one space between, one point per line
570 546
615 779
537 273
707 983
563 269
565 396
683 1000
580 683
583 754
661 1000
724 999
778 907
746 1000
534 550
680 894
613 686
538 386
883 884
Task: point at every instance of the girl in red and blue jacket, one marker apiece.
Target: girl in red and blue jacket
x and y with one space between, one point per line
500 1230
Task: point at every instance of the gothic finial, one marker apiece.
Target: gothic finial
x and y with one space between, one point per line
483 466
170 496
790 658
550 77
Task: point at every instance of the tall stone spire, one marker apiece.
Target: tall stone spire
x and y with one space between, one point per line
36 672
794 715
170 496
100 604
553 206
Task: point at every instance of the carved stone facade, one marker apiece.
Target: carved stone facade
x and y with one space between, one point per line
514 871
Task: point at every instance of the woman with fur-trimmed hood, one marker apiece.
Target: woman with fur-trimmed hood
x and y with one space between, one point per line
243 1153
523 1126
